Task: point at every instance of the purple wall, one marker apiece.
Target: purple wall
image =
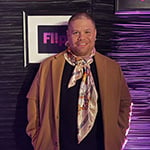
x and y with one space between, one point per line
131 48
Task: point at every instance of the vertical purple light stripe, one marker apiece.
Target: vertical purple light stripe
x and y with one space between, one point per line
131 48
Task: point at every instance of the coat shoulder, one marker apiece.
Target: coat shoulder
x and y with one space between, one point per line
105 59
52 58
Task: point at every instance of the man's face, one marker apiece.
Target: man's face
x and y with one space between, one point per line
81 35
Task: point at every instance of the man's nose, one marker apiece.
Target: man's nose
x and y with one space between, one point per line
81 36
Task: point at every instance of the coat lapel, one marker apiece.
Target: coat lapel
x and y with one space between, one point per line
102 75
57 72
100 65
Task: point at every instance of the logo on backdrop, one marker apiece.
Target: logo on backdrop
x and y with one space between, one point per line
52 38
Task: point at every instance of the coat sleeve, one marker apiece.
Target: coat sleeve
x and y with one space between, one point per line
125 105
33 109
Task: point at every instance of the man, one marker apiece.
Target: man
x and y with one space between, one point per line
79 98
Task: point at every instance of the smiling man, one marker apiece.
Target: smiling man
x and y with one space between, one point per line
81 36
79 99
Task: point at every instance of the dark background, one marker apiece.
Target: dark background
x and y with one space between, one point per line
117 37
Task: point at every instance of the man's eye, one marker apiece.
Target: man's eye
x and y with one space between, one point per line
87 32
75 32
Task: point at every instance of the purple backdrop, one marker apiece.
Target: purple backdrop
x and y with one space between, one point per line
132 50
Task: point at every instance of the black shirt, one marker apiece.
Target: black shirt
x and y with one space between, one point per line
68 115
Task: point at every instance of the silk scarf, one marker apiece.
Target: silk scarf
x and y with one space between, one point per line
87 100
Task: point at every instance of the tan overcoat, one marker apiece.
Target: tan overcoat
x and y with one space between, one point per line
44 99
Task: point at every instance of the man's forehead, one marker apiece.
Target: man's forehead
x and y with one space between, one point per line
84 19
80 23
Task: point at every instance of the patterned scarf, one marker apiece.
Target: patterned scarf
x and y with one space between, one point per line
87 101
